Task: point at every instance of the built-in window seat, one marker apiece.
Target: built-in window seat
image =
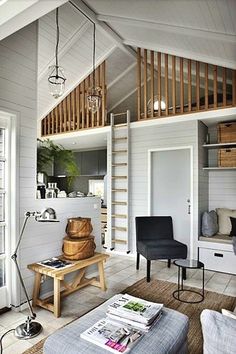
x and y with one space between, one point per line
218 238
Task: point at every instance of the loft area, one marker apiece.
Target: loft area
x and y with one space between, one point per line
166 85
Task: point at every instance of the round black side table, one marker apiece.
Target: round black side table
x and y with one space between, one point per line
190 264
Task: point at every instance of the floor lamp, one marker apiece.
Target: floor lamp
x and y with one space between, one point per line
29 328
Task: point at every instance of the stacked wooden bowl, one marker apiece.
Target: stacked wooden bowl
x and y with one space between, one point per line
78 243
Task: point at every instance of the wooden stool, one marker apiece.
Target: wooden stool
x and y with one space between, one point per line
53 303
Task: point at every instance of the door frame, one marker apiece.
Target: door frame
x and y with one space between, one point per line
184 147
9 121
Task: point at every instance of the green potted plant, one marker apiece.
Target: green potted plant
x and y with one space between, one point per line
48 152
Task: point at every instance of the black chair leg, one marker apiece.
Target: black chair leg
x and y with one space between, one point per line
148 270
184 273
169 263
137 261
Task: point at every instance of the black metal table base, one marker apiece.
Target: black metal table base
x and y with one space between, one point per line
181 290
176 295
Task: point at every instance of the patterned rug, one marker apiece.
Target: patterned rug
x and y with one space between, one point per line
161 291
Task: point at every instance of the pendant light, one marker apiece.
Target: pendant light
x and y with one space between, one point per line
94 93
56 78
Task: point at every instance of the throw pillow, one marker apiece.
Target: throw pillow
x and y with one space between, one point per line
224 220
233 226
209 223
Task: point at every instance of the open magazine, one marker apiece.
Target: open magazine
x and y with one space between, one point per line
55 263
135 309
112 336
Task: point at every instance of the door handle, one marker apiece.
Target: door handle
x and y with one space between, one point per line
189 206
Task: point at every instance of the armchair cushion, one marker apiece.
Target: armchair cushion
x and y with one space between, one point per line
162 249
218 333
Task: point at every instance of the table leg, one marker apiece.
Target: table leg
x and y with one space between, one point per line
203 281
37 285
102 276
57 297
178 281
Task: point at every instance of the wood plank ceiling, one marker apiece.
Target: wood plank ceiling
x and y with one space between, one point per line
203 30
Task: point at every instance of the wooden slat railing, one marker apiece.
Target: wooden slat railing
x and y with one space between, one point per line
72 113
169 85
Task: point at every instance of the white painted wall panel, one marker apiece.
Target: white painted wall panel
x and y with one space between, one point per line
203 176
145 138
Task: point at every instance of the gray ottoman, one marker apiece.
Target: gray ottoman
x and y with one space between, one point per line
168 336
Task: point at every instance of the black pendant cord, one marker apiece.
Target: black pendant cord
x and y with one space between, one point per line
57 44
94 53
94 37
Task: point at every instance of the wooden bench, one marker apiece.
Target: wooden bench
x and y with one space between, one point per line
53 303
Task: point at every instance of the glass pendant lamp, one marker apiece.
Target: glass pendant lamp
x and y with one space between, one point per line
56 77
94 97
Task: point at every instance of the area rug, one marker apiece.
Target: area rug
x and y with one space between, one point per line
161 291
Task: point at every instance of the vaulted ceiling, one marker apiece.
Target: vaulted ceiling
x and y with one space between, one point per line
203 30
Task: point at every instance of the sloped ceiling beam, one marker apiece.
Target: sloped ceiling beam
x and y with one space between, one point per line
112 35
206 34
181 31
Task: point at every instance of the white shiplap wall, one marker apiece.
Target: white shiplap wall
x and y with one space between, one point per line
222 184
18 95
203 176
44 240
159 136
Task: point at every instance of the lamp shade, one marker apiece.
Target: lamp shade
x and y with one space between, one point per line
56 81
94 99
47 215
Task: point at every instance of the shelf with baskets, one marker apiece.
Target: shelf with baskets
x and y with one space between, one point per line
226 147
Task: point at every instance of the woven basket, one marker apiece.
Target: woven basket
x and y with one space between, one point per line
79 227
77 249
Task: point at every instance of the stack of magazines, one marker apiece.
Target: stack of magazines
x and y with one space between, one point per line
136 312
128 318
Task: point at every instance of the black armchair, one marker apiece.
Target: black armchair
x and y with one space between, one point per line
154 240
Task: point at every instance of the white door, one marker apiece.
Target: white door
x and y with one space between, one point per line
171 189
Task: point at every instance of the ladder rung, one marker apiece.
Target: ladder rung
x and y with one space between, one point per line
119 241
119 216
119 164
119 151
120 125
119 190
119 203
120 138
119 177
119 228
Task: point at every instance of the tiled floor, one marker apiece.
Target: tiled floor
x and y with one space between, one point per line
120 273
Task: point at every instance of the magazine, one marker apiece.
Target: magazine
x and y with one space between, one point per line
112 336
136 309
135 324
55 263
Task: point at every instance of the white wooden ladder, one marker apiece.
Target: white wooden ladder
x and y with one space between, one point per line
118 187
